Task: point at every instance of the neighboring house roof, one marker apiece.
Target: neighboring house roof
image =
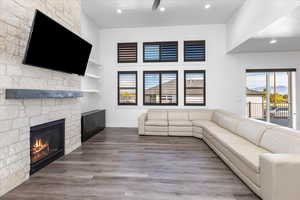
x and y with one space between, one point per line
170 88
167 88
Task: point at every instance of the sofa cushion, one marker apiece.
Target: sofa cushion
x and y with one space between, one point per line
178 133
156 123
205 124
175 115
157 115
252 130
202 114
234 161
246 151
180 123
217 114
180 129
197 129
281 140
156 129
226 120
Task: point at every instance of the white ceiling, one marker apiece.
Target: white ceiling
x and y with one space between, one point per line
253 45
287 26
285 30
138 13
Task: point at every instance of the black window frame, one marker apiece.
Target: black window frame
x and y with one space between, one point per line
129 88
271 70
128 43
194 42
204 88
160 52
160 89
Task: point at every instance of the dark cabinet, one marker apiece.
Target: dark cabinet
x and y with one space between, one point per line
92 123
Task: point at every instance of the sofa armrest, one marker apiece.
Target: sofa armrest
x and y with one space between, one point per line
280 176
141 123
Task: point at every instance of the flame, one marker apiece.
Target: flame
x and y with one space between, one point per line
39 145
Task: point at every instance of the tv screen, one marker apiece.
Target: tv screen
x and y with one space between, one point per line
52 46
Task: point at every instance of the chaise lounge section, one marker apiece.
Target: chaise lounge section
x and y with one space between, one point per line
265 156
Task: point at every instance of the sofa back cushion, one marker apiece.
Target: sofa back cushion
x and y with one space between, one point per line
281 140
201 114
157 115
252 130
175 115
226 120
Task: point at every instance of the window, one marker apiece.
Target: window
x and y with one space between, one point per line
270 95
160 88
160 51
127 88
194 88
127 52
194 51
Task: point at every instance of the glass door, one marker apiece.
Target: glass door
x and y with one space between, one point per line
270 96
257 95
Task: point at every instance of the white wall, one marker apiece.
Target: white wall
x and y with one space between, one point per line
225 73
90 32
254 16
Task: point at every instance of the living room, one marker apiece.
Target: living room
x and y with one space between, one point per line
161 77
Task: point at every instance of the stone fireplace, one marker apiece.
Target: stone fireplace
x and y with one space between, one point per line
47 143
18 116
22 118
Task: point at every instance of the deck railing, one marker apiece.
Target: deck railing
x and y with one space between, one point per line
259 110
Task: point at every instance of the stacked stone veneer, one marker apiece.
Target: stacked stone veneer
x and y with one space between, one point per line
17 116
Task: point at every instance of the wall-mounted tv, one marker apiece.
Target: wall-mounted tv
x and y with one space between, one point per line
52 46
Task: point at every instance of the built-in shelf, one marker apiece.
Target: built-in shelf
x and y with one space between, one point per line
94 62
92 76
90 91
40 94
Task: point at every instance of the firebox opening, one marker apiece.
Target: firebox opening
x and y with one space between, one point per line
46 144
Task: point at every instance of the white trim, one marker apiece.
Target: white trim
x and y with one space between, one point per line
92 76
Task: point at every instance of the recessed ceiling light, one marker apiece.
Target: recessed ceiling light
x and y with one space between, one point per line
162 9
119 11
273 41
207 6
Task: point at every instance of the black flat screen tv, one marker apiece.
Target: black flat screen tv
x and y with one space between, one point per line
52 46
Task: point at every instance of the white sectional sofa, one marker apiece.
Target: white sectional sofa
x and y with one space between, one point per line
265 156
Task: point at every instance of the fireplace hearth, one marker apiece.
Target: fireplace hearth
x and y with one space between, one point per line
47 143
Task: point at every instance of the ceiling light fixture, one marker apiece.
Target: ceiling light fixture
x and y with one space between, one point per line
273 41
207 6
119 11
162 9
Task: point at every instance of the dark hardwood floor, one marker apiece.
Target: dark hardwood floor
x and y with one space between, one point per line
120 165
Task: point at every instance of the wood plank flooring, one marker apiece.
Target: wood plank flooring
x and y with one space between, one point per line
120 165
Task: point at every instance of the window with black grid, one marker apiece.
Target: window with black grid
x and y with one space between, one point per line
160 51
161 88
127 88
194 88
194 51
127 52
